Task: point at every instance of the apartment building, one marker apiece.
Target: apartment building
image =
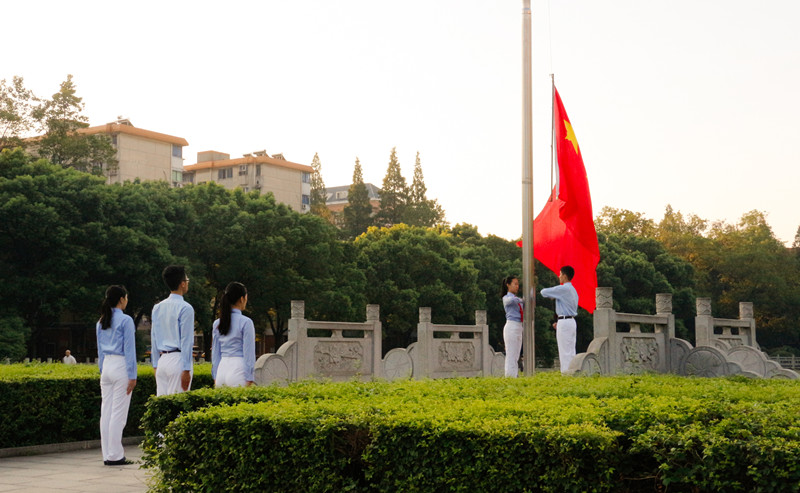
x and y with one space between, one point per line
143 154
289 182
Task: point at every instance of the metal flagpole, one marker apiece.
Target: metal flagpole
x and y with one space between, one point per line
529 295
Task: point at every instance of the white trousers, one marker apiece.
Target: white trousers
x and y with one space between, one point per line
566 335
512 336
230 372
168 374
114 409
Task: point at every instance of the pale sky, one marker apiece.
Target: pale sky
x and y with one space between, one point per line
692 103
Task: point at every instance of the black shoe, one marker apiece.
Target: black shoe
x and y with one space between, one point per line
121 462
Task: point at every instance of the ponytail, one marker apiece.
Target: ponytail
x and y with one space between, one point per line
506 281
113 295
233 293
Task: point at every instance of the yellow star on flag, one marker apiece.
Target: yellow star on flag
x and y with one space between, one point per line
571 136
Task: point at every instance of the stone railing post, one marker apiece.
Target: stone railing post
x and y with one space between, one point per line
605 325
746 313
703 323
486 353
664 307
422 363
298 314
373 317
604 309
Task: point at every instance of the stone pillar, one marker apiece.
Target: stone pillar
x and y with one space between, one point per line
605 325
298 332
298 313
422 351
486 351
664 307
746 313
663 303
703 323
374 319
745 310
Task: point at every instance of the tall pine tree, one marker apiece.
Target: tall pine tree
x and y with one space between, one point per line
319 197
420 211
358 211
394 195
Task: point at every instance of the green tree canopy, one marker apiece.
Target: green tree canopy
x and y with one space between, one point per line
394 194
17 105
410 267
419 210
358 211
61 119
319 197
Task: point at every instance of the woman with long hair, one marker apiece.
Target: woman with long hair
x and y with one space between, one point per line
512 332
116 354
233 352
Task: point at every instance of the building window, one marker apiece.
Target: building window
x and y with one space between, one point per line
246 189
341 195
177 176
306 199
242 170
114 139
177 151
188 178
225 173
306 177
258 170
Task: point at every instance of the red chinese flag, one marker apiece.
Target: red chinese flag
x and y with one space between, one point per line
563 233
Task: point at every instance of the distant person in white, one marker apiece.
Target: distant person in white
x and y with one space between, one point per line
233 352
567 309
116 356
512 332
69 359
172 335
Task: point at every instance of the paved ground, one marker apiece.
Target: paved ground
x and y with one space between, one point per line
80 470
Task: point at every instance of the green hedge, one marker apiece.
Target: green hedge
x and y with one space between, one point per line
546 433
54 403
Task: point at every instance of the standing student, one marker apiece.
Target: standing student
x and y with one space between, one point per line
512 332
233 355
172 335
116 354
566 309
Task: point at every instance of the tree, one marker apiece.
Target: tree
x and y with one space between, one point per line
318 194
49 227
17 106
60 120
420 211
624 222
394 194
358 211
13 337
747 263
410 267
638 268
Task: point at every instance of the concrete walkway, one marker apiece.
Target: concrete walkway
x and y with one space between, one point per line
80 470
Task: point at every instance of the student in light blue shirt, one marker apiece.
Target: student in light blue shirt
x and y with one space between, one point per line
116 354
172 335
233 352
512 332
567 309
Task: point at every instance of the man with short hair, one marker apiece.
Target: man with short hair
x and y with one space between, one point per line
566 309
69 359
172 335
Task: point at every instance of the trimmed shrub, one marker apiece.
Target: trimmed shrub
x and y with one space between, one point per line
545 433
55 403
